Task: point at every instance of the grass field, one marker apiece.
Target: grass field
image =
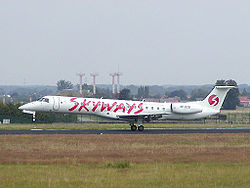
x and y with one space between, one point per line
137 175
193 160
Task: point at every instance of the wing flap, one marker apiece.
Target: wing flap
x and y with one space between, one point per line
145 116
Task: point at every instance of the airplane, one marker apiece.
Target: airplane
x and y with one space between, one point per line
134 112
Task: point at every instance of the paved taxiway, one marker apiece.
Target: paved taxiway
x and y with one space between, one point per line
125 131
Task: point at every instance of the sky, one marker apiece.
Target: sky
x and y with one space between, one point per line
152 42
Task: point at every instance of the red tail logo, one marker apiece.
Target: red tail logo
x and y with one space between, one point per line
213 100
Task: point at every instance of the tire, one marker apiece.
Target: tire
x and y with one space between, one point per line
133 128
141 128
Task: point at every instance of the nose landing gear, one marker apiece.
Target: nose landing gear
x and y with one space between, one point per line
34 116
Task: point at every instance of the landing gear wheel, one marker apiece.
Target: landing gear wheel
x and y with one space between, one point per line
133 128
140 128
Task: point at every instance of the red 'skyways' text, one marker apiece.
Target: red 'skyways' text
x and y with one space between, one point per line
86 105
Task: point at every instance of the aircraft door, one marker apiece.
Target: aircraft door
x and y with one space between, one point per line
56 105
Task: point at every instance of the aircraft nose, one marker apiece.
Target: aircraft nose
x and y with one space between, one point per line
25 107
21 107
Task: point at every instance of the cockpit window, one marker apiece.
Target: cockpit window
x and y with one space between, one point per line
43 100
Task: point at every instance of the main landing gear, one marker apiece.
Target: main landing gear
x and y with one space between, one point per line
140 128
134 128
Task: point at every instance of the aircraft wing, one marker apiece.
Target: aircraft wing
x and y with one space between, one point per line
145 116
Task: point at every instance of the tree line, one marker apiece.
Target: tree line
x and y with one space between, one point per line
230 103
10 111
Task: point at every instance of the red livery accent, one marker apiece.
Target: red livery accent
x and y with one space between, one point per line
130 108
213 100
110 107
84 105
95 107
76 104
140 107
120 107
103 107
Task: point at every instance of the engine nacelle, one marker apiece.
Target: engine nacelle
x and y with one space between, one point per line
185 108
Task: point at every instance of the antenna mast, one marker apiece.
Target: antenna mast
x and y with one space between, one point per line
113 83
80 76
118 74
94 75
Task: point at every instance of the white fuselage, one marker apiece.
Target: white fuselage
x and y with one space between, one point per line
119 109
132 111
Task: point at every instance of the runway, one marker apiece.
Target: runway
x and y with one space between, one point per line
125 131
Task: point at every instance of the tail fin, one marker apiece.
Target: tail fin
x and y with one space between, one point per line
216 97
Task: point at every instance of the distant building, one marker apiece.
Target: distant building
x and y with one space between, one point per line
163 99
173 99
244 101
151 100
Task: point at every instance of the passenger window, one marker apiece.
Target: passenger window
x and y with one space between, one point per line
152 108
158 108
